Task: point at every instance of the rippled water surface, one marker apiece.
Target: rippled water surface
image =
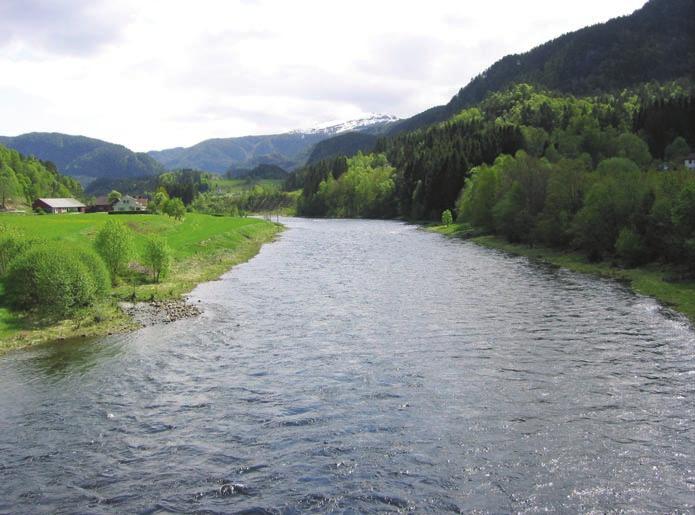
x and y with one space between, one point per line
364 366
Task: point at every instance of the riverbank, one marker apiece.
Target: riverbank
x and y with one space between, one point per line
651 280
203 248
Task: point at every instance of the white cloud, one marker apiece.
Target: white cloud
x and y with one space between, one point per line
166 73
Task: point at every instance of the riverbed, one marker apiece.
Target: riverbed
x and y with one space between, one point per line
361 366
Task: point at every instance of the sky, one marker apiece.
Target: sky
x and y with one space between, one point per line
163 73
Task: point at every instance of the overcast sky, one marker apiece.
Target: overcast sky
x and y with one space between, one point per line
152 74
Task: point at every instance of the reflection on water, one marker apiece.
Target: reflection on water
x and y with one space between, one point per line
364 366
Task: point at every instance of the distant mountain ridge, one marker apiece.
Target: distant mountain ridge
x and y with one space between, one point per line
654 43
82 157
288 150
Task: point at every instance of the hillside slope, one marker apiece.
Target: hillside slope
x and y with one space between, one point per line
655 43
82 157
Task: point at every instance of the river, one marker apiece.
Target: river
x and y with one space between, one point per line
362 366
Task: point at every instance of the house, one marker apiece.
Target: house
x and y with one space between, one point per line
690 162
59 205
100 205
129 204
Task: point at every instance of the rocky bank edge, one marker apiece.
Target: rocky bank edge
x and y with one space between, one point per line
159 312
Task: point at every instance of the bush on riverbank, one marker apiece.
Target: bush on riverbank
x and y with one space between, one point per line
56 280
12 243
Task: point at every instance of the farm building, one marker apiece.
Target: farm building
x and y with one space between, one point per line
690 162
59 205
129 204
100 205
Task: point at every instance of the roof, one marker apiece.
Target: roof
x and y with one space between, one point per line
61 202
691 157
101 200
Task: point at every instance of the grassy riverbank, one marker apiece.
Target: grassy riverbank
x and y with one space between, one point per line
650 280
203 248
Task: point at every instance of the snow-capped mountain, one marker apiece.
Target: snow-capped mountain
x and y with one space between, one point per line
370 123
288 150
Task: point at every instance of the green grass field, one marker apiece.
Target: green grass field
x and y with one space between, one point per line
650 280
203 247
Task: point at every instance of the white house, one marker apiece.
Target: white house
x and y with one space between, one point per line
128 203
690 162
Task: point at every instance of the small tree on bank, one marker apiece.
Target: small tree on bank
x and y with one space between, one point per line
175 208
447 218
114 243
157 257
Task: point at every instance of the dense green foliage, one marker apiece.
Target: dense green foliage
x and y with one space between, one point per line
114 243
55 279
23 179
260 172
78 156
616 209
365 188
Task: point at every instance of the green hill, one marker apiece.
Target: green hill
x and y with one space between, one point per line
23 179
82 157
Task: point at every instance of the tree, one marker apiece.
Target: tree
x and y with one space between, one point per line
9 187
114 243
174 208
447 219
157 257
114 196
678 149
158 202
634 148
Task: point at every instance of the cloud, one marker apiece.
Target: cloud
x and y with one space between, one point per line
164 73
71 27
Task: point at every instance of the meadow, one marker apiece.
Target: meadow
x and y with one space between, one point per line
202 246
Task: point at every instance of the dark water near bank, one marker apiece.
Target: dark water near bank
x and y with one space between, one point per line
364 366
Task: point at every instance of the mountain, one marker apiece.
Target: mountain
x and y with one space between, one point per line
655 43
346 144
84 158
288 150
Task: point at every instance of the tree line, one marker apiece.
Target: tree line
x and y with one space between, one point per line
24 179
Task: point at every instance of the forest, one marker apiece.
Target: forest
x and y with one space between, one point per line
23 179
603 174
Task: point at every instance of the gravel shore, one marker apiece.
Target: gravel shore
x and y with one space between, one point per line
159 312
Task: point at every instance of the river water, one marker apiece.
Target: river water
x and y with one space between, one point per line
358 366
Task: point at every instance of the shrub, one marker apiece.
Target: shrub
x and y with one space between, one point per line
98 271
52 279
12 244
157 257
447 218
630 248
114 243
